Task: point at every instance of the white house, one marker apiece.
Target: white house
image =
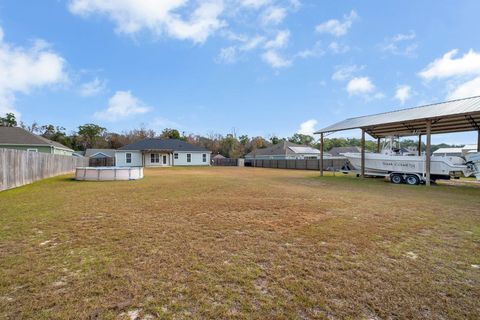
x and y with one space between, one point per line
459 152
161 153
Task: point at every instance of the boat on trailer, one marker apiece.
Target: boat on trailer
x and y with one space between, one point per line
411 168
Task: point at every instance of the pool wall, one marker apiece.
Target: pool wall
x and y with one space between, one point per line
108 173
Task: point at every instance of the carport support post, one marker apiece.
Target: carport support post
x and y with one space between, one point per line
478 141
321 154
427 152
363 153
419 144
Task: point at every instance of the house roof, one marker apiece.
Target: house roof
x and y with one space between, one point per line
163 144
107 152
303 150
336 151
450 116
19 136
284 148
218 156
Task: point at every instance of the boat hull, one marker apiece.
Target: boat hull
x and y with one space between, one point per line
381 163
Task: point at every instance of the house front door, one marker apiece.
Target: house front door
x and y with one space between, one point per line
164 159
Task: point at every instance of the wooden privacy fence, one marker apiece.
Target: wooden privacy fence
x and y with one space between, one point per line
18 167
329 164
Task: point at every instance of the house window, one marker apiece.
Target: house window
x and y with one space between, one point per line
154 158
32 150
204 157
175 155
189 157
128 157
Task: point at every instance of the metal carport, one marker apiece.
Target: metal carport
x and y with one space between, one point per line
451 116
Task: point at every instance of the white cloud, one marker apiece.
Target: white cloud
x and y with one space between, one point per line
275 60
255 4
338 48
403 93
93 87
158 17
336 27
227 55
360 85
401 44
164 123
344 73
280 40
315 51
252 43
404 36
308 127
24 69
468 89
232 53
273 15
447 66
463 73
122 105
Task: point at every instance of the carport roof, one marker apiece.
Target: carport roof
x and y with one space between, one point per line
450 116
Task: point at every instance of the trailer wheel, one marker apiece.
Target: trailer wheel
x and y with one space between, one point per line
412 180
396 178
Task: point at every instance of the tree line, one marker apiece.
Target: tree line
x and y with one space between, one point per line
91 135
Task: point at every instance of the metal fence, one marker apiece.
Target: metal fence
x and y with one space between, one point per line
18 167
329 164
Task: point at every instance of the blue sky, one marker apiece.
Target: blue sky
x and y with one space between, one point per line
264 67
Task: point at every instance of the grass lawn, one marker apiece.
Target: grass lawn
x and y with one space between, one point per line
239 243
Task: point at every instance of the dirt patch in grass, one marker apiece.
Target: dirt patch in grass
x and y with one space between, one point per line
239 243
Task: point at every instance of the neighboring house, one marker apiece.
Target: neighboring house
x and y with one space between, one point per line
469 148
448 152
161 153
100 153
458 152
339 151
100 157
21 139
285 150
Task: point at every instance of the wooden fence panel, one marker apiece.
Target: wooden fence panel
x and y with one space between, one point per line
18 167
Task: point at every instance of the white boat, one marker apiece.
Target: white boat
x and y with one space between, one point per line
410 168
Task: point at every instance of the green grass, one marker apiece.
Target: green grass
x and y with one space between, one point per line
239 243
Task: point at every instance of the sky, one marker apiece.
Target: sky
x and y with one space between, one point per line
256 67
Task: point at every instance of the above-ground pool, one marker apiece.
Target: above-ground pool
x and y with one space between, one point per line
108 173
